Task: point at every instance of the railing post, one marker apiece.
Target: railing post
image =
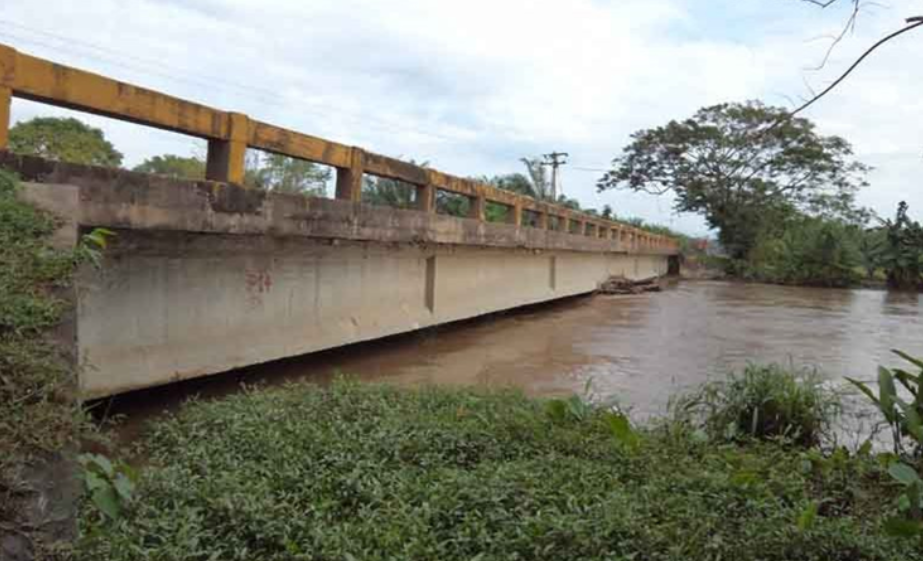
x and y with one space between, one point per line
426 197
7 77
543 220
226 157
349 180
517 214
477 207
6 99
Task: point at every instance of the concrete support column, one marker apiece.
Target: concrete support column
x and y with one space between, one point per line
226 157
349 180
426 198
582 228
543 220
477 207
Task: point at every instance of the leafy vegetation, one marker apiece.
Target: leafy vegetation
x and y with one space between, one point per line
67 140
371 472
743 166
905 418
178 167
900 253
763 403
282 174
40 415
109 486
808 251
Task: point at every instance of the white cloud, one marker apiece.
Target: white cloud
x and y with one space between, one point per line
473 86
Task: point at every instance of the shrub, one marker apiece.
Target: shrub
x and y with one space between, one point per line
40 414
765 402
372 473
808 251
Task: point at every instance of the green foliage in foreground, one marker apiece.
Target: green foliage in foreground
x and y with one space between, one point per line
367 472
39 413
764 403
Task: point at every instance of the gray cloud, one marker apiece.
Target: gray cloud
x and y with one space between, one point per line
474 86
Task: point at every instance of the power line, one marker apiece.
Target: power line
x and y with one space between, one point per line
202 80
582 168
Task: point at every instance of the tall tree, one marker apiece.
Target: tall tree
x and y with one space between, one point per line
64 139
282 174
902 253
515 182
542 189
740 165
390 192
173 166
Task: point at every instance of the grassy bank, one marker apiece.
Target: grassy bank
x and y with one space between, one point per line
40 417
369 472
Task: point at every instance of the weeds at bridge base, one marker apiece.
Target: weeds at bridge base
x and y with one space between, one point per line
41 420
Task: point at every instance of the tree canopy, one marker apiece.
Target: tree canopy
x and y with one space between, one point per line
741 166
174 166
282 174
64 139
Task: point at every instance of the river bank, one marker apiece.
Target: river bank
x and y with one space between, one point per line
358 471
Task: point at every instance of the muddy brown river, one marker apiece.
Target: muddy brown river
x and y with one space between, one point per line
640 350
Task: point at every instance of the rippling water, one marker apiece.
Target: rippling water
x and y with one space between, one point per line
638 349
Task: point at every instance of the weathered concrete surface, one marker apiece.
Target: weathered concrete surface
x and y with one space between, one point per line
205 277
171 305
229 135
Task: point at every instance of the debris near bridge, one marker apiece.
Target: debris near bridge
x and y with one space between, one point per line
622 285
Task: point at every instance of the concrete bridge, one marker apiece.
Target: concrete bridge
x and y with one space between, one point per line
208 276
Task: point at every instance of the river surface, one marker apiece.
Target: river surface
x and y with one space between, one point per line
639 350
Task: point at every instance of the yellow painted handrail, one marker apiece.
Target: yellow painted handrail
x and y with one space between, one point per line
230 134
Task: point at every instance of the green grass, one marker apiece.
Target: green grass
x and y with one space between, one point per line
369 472
40 414
765 402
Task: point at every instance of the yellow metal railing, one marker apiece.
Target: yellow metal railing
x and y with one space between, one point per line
230 134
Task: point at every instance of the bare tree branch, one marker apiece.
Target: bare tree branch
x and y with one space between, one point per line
912 23
848 28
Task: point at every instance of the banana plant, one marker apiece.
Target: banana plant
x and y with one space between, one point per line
910 502
906 421
904 417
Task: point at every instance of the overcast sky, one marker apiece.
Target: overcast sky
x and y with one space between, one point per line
472 86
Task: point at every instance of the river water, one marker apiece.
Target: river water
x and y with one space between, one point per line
639 350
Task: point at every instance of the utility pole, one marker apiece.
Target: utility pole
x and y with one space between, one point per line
555 160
